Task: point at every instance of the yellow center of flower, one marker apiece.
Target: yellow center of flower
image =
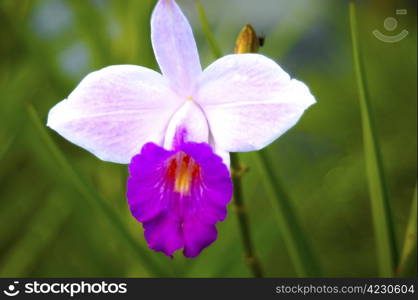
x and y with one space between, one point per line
182 169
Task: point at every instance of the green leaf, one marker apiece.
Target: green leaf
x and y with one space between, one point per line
89 193
44 227
387 252
408 260
207 31
297 243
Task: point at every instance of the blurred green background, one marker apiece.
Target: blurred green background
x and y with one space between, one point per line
65 213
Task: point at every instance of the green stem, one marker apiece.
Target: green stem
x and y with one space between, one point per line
299 248
241 211
382 216
250 256
297 244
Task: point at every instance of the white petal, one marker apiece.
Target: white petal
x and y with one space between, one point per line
249 101
190 122
174 47
115 110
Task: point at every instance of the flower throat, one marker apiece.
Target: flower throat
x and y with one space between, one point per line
182 171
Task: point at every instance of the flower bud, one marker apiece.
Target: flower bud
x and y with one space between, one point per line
247 41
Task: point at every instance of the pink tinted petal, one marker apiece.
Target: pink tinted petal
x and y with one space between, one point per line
249 101
189 119
115 110
174 46
179 196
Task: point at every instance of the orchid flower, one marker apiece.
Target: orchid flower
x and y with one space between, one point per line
176 129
